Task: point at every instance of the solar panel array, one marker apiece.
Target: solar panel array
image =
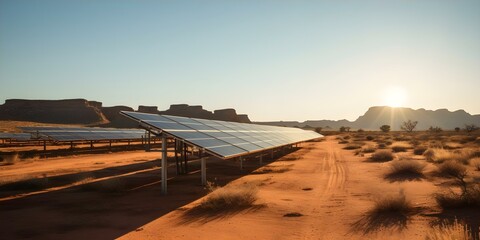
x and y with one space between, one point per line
61 134
224 139
15 136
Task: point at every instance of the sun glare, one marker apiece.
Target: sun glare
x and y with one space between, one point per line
395 97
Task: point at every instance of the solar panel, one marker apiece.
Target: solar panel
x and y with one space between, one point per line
62 134
15 136
221 138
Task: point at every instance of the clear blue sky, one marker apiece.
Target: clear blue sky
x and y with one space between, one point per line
274 60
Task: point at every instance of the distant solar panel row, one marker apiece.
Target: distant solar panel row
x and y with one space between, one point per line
224 139
83 134
15 136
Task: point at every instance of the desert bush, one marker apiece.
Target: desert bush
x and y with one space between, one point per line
385 128
452 169
382 156
439 155
400 147
409 125
411 167
346 137
343 141
451 145
455 231
475 162
369 148
230 198
352 146
10 159
469 198
388 143
382 145
369 138
393 204
419 150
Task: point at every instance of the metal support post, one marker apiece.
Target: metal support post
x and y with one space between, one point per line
164 164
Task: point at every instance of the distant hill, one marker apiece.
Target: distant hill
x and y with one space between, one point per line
92 113
377 116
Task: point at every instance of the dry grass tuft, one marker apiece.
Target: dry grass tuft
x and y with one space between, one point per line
10 159
273 169
393 204
406 170
439 155
230 198
382 156
369 148
352 146
452 169
455 231
475 162
419 150
470 198
400 147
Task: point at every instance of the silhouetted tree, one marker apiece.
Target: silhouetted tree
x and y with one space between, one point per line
385 128
342 129
457 129
347 129
318 129
360 130
471 127
409 125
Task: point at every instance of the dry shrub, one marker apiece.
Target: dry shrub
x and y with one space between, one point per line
272 169
441 155
393 204
382 156
455 231
230 198
475 162
346 137
382 145
10 159
451 145
469 198
400 147
452 169
369 138
388 143
419 150
369 148
343 141
406 167
352 146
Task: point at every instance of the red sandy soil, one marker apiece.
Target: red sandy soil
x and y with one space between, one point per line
343 189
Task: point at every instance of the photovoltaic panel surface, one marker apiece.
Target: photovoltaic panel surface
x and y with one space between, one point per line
221 138
61 134
15 136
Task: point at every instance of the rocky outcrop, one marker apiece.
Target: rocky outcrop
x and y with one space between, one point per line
185 110
69 111
81 111
115 119
378 116
148 109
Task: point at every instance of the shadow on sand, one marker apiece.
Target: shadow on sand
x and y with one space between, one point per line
111 208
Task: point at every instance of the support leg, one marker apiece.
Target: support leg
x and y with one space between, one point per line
204 171
164 165
241 163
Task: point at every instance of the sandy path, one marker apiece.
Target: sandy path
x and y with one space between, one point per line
319 166
329 186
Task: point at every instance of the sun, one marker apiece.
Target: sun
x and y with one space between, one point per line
395 96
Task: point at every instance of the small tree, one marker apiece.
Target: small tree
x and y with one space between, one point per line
385 128
342 129
470 128
318 129
457 129
360 130
347 129
409 125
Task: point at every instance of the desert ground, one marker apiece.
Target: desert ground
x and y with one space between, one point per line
330 189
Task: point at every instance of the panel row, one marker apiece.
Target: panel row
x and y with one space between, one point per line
225 139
